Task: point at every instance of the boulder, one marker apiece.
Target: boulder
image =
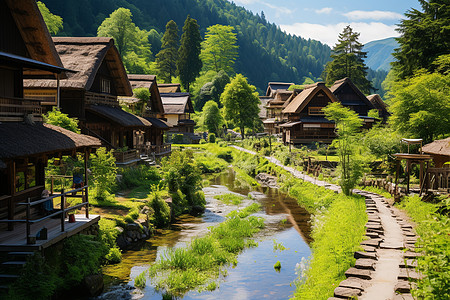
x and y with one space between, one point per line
93 285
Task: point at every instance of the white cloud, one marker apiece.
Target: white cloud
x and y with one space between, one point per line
280 10
373 15
246 1
328 34
325 10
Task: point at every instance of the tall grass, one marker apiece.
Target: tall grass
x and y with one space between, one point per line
199 264
433 229
230 198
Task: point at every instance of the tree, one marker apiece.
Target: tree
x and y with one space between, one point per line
420 106
212 118
104 171
348 61
131 42
240 101
166 59
143 94
218 85
57 118
219 49
189 64
425 35
347 126
54 23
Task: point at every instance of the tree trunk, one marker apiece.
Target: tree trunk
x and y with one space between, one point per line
242 131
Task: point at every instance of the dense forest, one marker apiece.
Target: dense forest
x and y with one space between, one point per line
265 52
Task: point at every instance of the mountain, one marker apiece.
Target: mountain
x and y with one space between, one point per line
379 54
265 52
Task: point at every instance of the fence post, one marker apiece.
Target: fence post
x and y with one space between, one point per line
63 210
28 220
52 184
86 182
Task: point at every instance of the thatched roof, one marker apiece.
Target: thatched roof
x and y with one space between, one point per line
169 88
377 102
177 103
34 33
158 123
148 82
302 99
119 116
339 84
262 106
85 55
22 140
274 86
439 147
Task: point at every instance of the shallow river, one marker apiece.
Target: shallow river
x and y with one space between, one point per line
254 276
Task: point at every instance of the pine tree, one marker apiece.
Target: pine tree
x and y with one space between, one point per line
189 64
166 59
424 36
348 61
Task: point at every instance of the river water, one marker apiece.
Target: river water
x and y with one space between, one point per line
254 277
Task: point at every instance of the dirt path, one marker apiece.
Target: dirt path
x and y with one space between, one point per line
385 269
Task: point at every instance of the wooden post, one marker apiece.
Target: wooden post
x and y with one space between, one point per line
397 172
421 180
28 220
52 185
11 201
58 92
63 210
408 170
86 157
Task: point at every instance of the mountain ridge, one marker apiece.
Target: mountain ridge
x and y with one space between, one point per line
379 53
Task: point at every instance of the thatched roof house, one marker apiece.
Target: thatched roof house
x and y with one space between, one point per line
169 88
379 105
350 96
148 82
273 87
177 111
318 91
439 150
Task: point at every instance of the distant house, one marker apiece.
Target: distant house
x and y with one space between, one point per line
306 121
26 143
177 112
350 96
91 94
153 112
273 87
439 150
379 105
165 88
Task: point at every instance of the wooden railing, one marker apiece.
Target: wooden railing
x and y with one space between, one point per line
62 212
155 149
14 109
437 178
103 99
126 156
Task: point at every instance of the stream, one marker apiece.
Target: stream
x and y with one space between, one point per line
254 277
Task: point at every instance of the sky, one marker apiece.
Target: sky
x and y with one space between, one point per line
323 20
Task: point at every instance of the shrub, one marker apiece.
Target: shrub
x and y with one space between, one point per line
177 139
226 155
104 171
140 280
114 255
138 176
211 138
160 214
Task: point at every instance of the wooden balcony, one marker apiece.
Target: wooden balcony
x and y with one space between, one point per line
15 109
438 179
126 157
101 99
157 150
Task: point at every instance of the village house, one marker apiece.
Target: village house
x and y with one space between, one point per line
438 177
273 87
26 143
152 111
380 106
165 88
91 94
350 96
306 121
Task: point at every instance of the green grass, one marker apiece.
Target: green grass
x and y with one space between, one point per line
200 263
434 244
230 198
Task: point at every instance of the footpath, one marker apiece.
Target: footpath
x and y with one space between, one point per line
385 269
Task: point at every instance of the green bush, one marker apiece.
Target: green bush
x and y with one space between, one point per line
160 210
226 155
211 138
138 176
114 255
178 139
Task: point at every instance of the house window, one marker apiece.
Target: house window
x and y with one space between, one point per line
315 111
105 86
25 177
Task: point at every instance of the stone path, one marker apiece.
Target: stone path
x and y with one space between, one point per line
385 269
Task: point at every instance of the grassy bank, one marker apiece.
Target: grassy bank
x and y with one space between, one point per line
433 228
199 264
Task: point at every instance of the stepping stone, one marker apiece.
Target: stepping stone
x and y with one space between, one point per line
410 234
407 274
354 283
334 298
409 263
403 297
410 254
394 246
380 232
407 226
372 242
367 264
404 286
369 248
346 293
374 222
359 273
372 235
366 255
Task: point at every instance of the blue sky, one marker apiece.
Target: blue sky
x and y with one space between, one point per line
323 20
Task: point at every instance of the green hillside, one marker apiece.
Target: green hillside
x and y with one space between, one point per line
265 52
379 54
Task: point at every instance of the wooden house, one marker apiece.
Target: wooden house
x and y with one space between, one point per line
91 94
350 96
440 151
438 177
306 121
26 144
153 111
273 87
165 88
380 106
